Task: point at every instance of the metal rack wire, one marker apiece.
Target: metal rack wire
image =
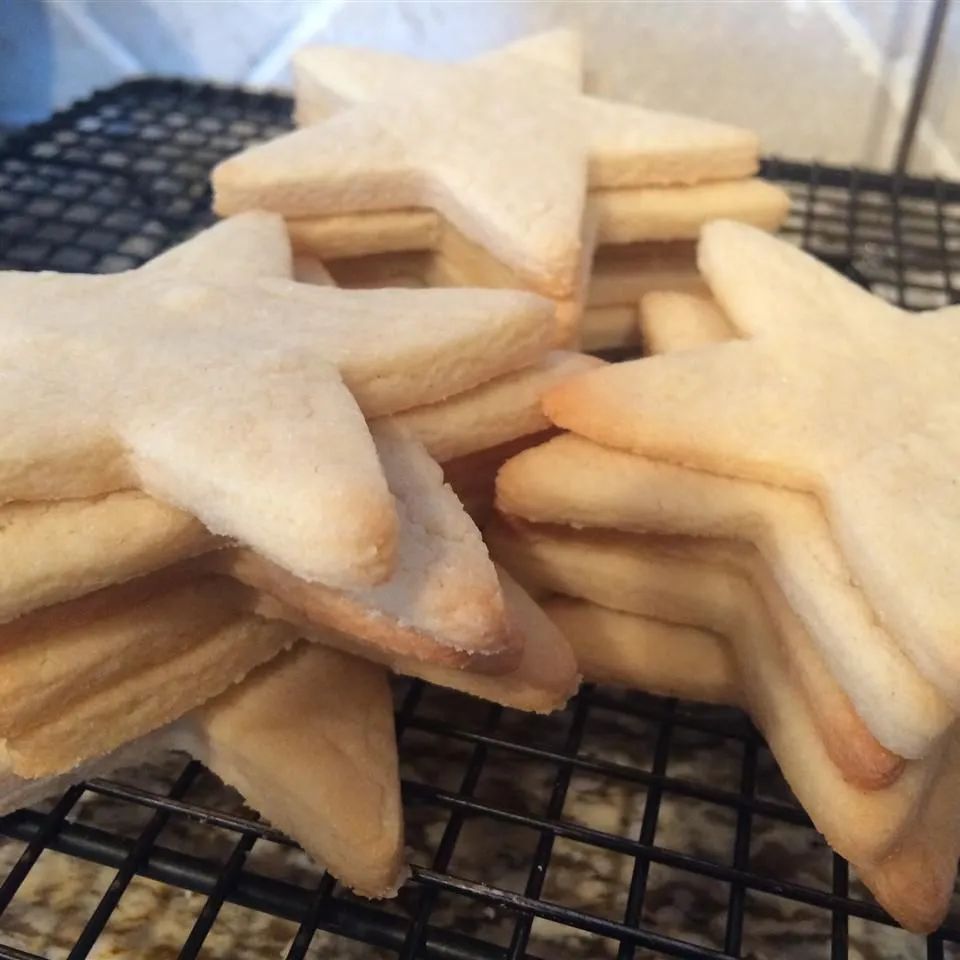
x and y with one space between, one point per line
626 826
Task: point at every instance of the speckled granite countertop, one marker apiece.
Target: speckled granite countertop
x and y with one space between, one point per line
153 920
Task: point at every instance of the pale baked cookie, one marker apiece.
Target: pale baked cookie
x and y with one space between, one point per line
915 882
387 158
62 549
59 550
81 678
867 421
441 601
641 653
543 679
573 481
382 153
226 398
308 740
359 234
678 213
864 825
705 583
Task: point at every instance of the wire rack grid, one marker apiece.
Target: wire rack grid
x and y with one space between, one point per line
626 826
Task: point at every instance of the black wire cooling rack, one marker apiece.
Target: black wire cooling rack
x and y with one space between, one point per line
626 826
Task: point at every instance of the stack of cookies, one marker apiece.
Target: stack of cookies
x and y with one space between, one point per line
214 461
767 514
497 172
243 483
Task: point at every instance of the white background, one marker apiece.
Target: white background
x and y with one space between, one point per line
824 79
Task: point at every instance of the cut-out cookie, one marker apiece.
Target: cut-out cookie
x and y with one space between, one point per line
835 392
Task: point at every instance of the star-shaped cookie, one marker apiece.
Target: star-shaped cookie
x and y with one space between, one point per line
503 147
233 398
308 739
903 838
838 393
